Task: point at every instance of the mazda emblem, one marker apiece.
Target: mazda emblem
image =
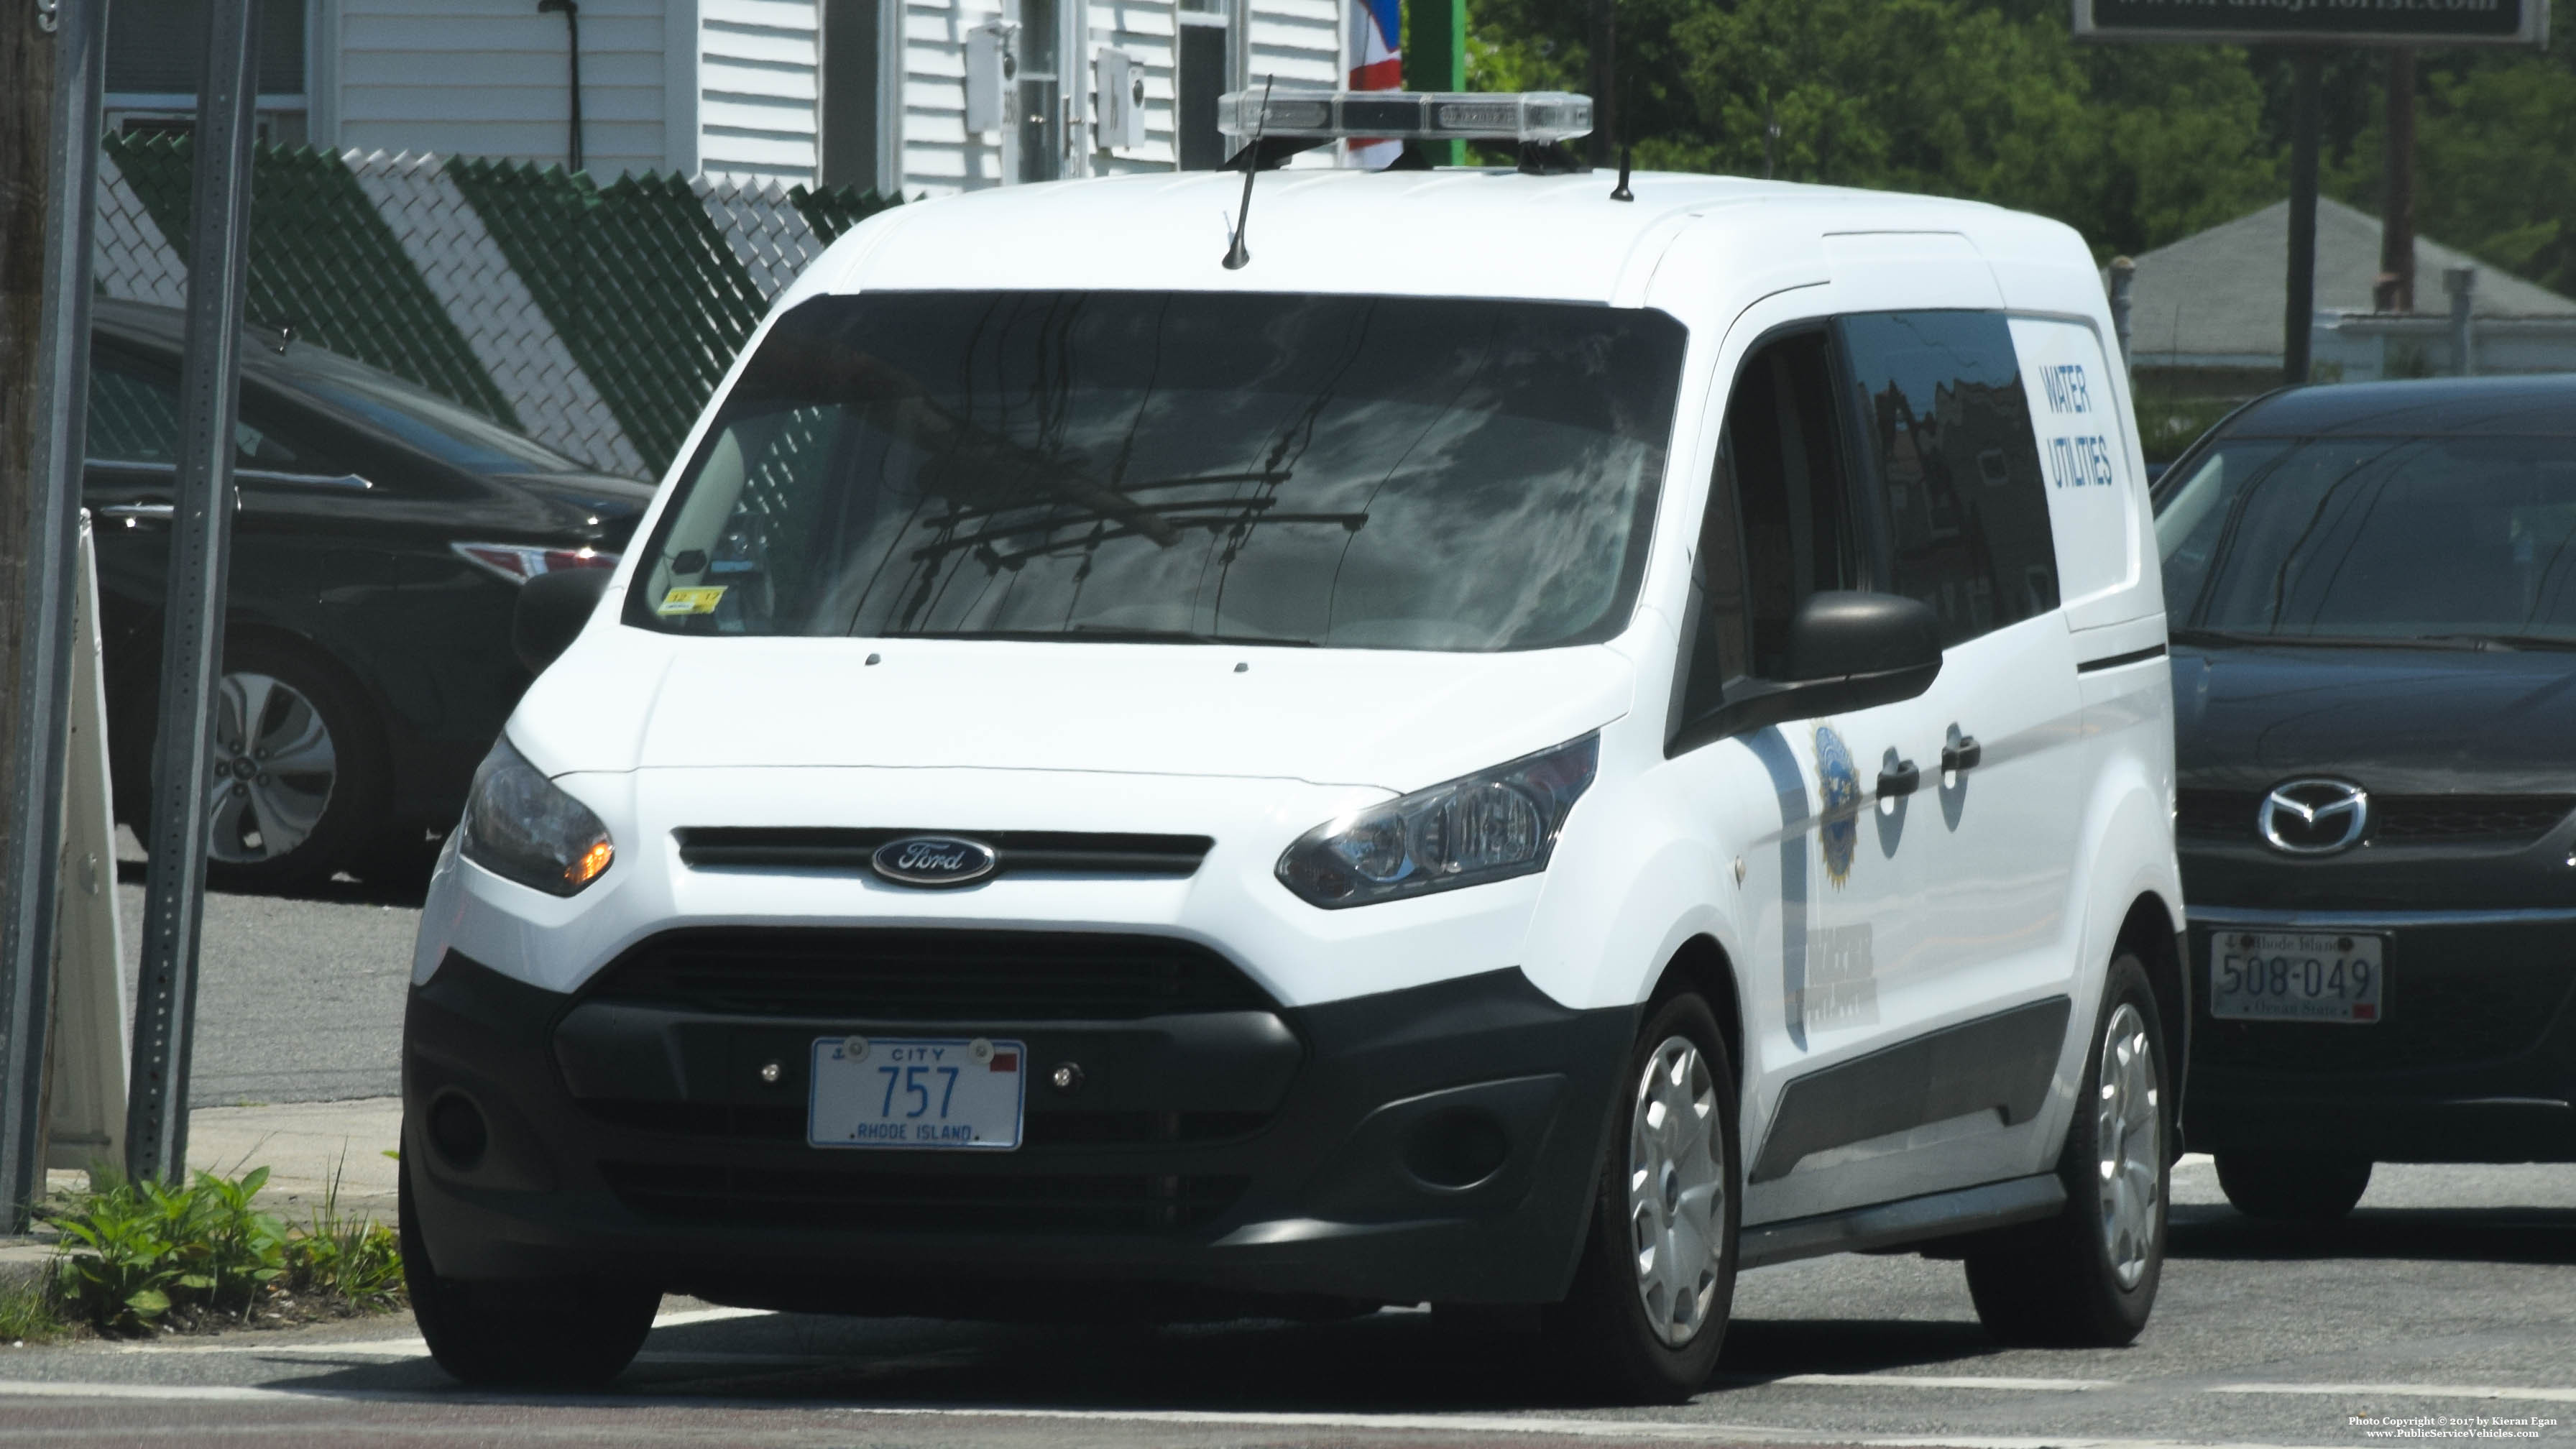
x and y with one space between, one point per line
933 860
2314 817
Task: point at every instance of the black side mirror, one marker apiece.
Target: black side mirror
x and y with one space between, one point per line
1846 651
553 607
1852 650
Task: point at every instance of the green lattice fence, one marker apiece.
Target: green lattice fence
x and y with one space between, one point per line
598 318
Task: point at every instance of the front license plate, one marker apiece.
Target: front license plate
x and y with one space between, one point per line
2296 976
917 1092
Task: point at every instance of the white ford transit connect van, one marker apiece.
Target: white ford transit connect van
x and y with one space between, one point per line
1519 747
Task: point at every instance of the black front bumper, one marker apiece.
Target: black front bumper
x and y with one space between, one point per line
1439 1143
2473 1061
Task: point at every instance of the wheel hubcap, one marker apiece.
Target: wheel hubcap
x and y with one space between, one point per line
1677 1191
273 770
2129 1136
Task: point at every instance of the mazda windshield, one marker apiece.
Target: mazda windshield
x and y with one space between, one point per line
1344 471
2450 541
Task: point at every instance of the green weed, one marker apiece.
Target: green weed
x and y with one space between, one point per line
133 1252
351 1259
28 1312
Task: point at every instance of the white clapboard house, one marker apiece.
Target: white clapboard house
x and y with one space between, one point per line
929 96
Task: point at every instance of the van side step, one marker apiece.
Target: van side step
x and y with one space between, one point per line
1911 1220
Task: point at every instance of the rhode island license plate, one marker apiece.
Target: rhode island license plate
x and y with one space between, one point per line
2296 976
916 1092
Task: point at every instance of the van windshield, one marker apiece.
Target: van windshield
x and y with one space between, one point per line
1361 472
2376 540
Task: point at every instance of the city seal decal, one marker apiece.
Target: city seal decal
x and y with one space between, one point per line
933 860
1838 793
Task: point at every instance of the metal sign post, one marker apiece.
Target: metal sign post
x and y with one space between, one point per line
192 639
2299 301
31 852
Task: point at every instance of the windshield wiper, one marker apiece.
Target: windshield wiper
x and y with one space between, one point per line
1106 634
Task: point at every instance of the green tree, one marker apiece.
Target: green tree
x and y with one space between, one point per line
1986 99
2495 159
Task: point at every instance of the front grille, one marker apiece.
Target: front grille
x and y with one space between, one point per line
980 976
953 1202
1015 852
2498 818
2445 1020
756 1123
2494 820
2219 813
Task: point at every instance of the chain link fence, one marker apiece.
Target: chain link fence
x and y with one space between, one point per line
597 319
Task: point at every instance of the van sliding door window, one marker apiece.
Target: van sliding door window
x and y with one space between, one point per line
1948 429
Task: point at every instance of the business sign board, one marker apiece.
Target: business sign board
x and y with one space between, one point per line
2317 22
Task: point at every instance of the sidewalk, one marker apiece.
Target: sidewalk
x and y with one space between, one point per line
302 1144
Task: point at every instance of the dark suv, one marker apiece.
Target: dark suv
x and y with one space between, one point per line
2372 595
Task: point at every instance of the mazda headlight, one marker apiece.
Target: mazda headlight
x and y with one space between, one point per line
1488 826
519 826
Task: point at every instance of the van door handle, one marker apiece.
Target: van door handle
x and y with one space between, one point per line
1961 753
1898 779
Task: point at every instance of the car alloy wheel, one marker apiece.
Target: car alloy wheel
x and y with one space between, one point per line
1676 1191
273 771
2129 1140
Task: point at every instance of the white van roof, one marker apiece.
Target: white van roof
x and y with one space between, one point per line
1458 232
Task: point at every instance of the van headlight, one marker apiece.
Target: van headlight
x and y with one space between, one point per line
1488 826
521 827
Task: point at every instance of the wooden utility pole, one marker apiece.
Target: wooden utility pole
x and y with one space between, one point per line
26 137
50 65
2395 291
26 181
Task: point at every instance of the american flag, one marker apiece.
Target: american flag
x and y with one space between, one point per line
1377 64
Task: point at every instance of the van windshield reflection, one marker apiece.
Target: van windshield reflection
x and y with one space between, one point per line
1358 472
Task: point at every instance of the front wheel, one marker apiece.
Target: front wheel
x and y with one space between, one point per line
2087 1277
539 1333
1656 1282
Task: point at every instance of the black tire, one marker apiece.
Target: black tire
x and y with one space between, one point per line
540 1333
2293 1187
2057 1283
1603 1327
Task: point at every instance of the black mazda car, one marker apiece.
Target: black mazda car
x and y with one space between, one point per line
2372 595
382 537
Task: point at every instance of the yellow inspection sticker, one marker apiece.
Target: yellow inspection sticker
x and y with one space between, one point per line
691 601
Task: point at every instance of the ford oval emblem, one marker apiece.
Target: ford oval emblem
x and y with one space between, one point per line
933 860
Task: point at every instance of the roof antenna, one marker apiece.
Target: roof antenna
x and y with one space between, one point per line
1618 115
1236 255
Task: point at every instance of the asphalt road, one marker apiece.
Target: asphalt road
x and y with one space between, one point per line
2450 1295
300 999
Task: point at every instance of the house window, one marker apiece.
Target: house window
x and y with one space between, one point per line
156 58
1039 120
861 107
1200 63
